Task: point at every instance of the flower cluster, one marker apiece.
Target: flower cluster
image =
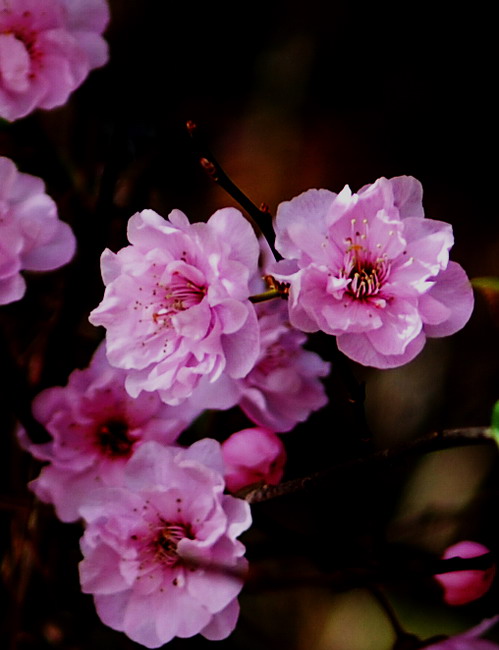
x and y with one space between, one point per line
46 51
371 270
184 334
31 235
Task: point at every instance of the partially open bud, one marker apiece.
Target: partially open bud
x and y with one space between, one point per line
461 587
252 456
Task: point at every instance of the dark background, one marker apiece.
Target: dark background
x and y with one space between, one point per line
289 95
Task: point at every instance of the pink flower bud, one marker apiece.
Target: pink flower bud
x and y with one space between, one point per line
252 456
461 587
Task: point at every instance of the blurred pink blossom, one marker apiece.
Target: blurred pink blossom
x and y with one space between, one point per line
32 237
160 554
371 270
47 48
252 456
96 426
176 303
284 386
461 587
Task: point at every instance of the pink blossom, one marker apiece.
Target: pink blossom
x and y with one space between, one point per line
371 270
160 554
176 303
96 426
284 386
469 640
462 587
47 48
253 456
31 235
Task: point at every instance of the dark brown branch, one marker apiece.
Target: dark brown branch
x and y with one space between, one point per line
446 439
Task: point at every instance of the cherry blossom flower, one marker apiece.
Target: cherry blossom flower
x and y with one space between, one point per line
32 237
160 554
469 640
371 270
46 51
253 456
461 587
176 303
96 427
284 386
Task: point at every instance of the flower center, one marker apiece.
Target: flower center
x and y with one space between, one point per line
366 276
180 294
164 545
113 438
364 282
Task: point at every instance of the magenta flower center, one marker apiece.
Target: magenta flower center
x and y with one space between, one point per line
179 295
113 439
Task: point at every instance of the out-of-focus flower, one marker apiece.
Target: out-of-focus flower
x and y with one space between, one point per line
371 270
252 456
47 48
461 587
176 303
469 640
32 237
160 554
284 386
96 426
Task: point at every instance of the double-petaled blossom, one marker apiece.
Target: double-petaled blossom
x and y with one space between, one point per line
461 587
176 304
253 456
47 49
160 554
96 427
371 270
32 237
284 386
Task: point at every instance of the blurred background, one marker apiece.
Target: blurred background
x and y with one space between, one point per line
289 96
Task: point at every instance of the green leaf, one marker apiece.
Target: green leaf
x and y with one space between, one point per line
494 425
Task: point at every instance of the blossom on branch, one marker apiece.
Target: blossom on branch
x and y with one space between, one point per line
32 237
47 48
371 270
96 427
160 554
176 302
253 456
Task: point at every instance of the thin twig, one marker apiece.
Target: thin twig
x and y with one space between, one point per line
259 217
